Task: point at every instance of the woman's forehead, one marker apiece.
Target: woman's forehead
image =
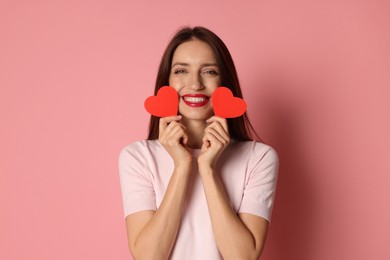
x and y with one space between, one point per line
194 51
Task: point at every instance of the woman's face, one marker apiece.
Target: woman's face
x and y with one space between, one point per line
195 75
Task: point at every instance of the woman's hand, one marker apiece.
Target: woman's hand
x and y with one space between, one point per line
173 137
215 140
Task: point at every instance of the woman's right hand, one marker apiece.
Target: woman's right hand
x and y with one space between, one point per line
174 138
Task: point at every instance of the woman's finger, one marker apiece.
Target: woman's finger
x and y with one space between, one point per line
221 120
175 130
165 121
220 129
166 125
175 133
212 140
206 141
221 137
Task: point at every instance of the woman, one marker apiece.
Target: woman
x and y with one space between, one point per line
199 187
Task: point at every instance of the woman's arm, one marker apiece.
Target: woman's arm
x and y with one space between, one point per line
237 237
151 234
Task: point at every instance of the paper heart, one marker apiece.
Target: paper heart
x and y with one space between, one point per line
165 103
225 105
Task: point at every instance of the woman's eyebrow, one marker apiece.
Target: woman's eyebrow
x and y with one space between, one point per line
180 63
186 64
209 64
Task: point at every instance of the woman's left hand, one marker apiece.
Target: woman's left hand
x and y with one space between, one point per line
216 138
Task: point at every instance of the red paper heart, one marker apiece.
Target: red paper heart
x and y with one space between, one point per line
166 103
225 105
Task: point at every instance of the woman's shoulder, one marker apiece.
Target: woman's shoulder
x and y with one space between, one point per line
141 148
142 144
254 149
252 145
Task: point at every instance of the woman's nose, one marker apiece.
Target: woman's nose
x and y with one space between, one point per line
195 83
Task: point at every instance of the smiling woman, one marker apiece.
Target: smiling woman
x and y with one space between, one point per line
199 187
195 76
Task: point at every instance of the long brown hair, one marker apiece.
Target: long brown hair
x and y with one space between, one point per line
240 128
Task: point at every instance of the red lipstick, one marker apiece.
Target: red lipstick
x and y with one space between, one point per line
195 100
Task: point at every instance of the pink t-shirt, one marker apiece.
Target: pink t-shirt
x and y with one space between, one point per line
247 169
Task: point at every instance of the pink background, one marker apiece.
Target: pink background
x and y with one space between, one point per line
73 78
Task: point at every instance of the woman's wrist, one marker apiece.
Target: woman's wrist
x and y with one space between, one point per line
183 165
205 169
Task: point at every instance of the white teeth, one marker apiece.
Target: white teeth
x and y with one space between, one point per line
195 99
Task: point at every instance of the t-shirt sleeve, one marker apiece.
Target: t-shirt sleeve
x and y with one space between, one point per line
259 192
135 180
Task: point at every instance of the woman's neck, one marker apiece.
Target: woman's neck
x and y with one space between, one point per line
195 131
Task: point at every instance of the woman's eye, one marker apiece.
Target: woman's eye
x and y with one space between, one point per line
179 71
211 72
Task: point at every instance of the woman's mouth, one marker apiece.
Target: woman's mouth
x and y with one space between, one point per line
195 100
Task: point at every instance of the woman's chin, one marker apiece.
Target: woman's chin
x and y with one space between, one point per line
197 116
